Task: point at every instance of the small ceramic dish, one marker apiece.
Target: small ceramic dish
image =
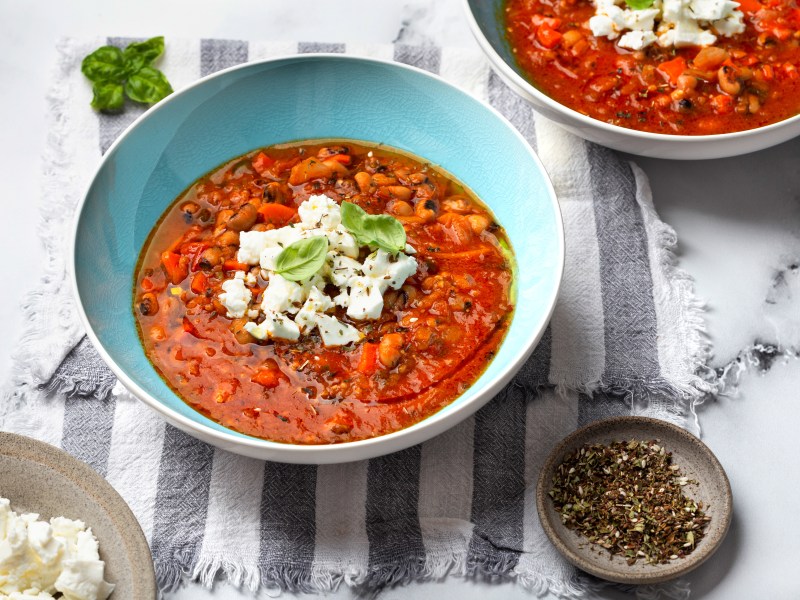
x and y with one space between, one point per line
40 478
696 462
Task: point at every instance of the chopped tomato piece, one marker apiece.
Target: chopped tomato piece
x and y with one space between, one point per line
199 283
234 265
749 5
722 104
175 265
147 284
276 214
539 20
262 163
672 69
269 378
189 328
547 36
345 159
368 363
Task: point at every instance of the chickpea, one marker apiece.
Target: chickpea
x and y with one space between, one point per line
389 349
240 333
222 217
400 192
687 82
228 238
457 204
401 208
478 223
364 180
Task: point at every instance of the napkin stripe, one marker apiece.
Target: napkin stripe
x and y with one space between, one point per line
423 57
631 328
288 525
88 423
513 108
182 495
216 55
396 548
311 47
497 499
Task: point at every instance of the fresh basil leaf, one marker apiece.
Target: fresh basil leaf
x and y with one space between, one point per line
104 64
302 259
141 54
147 85
386 233
108 97
353 217
382 231
639 4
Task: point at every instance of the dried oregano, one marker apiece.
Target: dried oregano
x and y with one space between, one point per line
628 498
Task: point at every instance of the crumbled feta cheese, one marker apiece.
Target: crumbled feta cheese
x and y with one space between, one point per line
39 560
336 333
274 325
320 212
676 23
236 297
282 295
361 286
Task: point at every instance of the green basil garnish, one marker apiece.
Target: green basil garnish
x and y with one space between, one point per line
302 259
147 85
639 4
382 231
115 73
108 96
142 54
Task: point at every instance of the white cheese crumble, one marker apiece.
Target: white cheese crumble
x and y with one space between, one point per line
676 23
361 286
39 559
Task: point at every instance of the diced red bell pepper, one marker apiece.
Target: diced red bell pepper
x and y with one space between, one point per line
175 265
262 163
368 363
672 69
548 36
234 265
276 214
199 283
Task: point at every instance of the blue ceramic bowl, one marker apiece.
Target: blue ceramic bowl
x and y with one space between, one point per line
295 98
485 18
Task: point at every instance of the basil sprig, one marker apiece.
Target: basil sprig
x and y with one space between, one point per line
639 4
302 259
381 231
115 73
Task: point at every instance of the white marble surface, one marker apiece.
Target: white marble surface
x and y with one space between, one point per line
738 222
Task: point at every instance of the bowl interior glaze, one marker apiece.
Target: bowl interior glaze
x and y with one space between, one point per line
296 98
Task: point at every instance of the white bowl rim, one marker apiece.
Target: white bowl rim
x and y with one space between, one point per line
520 82
345 451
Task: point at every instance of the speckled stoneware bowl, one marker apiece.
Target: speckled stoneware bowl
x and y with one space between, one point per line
40 478
485 18
696 462
310 96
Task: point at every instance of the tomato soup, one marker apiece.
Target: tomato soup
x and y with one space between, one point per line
741 81
408 302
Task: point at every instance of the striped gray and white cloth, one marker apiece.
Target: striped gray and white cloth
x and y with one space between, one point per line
626 337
